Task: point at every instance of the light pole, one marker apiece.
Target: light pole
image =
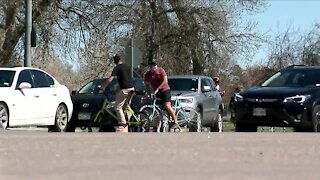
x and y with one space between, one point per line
28 28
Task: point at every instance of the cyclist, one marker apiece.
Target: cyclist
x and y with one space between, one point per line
124 77
156 79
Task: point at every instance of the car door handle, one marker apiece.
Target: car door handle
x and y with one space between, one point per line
36 96
54 94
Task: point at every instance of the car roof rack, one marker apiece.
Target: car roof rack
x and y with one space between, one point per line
296 65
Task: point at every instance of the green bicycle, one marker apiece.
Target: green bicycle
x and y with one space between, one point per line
137 121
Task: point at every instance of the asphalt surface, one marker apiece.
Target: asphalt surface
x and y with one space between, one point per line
32 154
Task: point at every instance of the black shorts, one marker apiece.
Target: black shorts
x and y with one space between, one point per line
164 96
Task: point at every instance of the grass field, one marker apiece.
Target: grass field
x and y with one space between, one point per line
228 126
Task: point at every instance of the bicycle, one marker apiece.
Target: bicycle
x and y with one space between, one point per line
138 121
154 112
187 117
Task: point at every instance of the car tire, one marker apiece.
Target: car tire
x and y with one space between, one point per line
245 128
143 118
165 122
61 120
316 118
195 128
4 116
105 124
218 125
71 128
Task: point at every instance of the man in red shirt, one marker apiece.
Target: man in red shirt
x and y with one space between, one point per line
156 81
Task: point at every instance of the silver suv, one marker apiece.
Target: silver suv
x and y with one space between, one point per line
200 93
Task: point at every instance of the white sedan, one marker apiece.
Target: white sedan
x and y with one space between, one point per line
32 97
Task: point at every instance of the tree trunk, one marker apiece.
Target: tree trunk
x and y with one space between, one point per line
11 39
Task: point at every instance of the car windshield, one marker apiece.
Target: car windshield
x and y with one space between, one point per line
6 78
93 87
183 84
294 78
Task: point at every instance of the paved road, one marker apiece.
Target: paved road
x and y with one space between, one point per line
250 156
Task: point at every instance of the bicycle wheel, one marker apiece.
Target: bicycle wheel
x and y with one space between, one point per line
139 122
154 116
190 118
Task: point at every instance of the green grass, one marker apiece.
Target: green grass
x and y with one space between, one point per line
228 126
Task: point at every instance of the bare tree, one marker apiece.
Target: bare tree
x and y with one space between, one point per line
285 49
192 35
311 47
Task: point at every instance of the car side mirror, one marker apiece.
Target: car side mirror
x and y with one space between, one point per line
74 92
206 89
24 85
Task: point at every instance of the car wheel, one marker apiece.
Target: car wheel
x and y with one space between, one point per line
61 120
198 127
218 125
245 128
71 128
140 122
316 118
105 124
165 123
4 116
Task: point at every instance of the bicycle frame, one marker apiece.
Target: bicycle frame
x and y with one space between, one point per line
127 111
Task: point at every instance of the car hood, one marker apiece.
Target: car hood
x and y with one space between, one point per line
184 93
274 92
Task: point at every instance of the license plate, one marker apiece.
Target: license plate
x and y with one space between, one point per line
84 116
259 112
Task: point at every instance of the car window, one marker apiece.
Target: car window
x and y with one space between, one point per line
139 85
40 79
113 87
6 78
50 80
183 84
294 78
205 82
212 84
25 76
93 87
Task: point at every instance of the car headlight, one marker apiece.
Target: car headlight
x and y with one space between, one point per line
189 100
111 104
297 98
238 98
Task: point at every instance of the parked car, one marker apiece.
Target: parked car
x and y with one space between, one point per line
289 98
200 93
32 97
88 99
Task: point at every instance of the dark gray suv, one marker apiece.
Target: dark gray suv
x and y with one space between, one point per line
200 93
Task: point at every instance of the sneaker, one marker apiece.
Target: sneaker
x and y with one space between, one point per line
175 126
